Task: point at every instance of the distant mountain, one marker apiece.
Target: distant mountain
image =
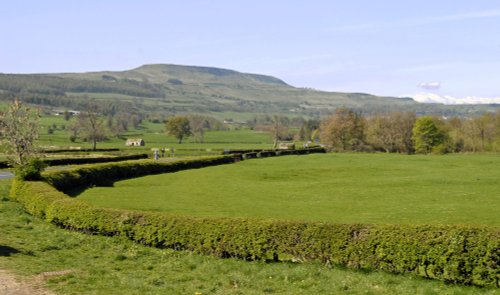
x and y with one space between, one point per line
162 88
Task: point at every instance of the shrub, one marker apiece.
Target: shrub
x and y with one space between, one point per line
31 170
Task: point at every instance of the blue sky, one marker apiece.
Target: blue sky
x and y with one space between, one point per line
446 49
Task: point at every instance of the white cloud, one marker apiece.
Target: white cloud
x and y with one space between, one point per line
430 85
447 99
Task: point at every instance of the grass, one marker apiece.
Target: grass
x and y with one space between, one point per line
345 188
111 265
155 137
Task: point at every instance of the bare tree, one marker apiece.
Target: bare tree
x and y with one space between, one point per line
91 125
279 128
198 125
393 132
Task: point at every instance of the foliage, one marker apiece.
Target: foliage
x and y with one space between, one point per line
31 170
89 160
99 174
344 130
19 131
477 134
307 130
179 127
428 135
392 132
457 254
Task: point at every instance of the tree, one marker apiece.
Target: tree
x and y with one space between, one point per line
19 131
307 129
392 133
90 125
344 130
67 115
198 124
428 135
280 129
178 127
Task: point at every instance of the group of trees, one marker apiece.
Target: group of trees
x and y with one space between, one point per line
401 132
183 126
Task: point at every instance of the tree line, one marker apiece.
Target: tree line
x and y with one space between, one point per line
404 132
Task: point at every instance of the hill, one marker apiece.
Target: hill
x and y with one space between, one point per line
162 88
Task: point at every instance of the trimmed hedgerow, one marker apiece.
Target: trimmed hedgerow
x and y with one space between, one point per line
93 160
103 174
458 254
84 160
55 151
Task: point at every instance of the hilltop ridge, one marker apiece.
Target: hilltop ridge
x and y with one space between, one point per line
168 88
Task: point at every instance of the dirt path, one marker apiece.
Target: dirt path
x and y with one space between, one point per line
9 285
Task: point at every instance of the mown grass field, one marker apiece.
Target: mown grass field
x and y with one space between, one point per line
345 188
85 264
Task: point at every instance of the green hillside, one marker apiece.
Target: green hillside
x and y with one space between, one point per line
174 88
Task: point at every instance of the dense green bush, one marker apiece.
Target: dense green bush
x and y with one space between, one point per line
458 254
31 170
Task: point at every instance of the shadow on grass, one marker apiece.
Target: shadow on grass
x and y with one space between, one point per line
75 192
7 251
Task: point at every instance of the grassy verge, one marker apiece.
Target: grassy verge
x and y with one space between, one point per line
344 188
103 265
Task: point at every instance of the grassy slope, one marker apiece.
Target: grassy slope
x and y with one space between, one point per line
368 188
216 91
103 265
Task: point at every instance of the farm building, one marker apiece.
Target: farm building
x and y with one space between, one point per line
135 142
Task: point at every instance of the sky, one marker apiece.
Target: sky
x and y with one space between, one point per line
434 51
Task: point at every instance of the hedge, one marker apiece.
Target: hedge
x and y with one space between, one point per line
104 174
84 160
452 253
78 150
93 160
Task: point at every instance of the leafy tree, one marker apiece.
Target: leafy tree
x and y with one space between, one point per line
344 130
178 127
428 135
307 129
19 131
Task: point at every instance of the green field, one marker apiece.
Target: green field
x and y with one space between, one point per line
345 188
155 137
112 265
